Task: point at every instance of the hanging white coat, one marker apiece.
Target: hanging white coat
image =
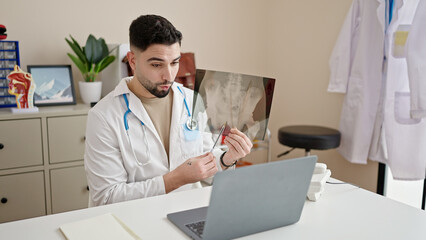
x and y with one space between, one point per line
375 121
416 61
112 169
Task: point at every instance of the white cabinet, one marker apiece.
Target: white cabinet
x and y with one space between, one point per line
41 162
69 189
22 196
20 143
66 138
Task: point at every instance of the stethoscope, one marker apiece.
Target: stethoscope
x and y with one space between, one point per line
191 124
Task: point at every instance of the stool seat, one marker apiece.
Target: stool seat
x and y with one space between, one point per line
309 137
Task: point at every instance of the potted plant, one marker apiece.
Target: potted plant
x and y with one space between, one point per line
90 60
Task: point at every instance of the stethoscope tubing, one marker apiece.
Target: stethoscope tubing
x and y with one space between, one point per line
189 125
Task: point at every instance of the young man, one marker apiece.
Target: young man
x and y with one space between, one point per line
137 141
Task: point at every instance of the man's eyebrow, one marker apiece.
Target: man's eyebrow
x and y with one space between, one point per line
161 60
176 59
155 59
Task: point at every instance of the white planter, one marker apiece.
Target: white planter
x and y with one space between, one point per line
90 91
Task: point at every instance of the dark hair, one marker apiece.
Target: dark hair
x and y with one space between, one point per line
152 29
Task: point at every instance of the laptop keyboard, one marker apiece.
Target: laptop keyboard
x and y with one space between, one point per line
197 228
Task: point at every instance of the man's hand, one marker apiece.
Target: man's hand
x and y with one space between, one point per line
191 171
239 146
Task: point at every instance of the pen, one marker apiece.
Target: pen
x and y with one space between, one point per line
220 134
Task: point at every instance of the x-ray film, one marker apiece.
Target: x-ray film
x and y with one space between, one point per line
241 101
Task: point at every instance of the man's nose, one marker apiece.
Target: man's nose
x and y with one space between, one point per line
168 74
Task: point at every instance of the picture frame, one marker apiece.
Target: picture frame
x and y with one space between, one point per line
54 85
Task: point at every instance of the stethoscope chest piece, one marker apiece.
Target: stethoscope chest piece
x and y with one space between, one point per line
191 124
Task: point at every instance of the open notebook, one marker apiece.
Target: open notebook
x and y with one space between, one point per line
104 227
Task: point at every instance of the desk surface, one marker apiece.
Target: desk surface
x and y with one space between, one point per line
342 212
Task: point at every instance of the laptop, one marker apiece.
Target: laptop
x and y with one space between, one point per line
249 200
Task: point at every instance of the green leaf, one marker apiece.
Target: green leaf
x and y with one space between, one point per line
88 63
78 63
104 63
93 49
89 49
76 48
81 54
104 48
99 51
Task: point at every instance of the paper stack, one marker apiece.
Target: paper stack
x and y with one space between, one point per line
319 178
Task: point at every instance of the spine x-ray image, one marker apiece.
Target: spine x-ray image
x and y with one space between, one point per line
241 101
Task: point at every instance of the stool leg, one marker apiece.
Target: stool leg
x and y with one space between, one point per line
424 195
269 145
307 152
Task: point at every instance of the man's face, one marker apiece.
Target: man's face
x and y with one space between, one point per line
155 68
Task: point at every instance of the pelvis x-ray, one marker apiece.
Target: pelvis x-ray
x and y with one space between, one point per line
239 100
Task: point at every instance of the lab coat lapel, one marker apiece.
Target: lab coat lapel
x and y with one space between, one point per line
381 13
139 111
398 5
178 111
135 105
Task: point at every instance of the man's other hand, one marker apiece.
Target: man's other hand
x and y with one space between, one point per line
239 146
191 171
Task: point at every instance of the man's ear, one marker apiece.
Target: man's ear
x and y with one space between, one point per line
132 59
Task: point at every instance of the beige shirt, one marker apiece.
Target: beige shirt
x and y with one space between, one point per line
160 112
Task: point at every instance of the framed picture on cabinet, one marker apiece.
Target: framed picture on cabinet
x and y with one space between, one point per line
54 85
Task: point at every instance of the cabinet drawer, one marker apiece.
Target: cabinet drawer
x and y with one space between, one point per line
21 143
22 196
69 189
66 138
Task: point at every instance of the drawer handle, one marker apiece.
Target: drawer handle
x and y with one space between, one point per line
3 200
1 146
87 188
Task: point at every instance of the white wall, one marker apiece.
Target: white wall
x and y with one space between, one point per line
223 35
290 40
302 35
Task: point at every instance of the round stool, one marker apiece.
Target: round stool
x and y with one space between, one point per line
308 137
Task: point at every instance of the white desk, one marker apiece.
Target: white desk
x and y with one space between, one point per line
343 212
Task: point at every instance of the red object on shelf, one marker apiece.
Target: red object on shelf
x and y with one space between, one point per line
186 73
3 34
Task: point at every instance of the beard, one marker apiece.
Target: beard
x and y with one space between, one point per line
153 87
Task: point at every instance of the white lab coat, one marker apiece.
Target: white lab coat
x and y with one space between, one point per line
416 61
375 121
112 171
